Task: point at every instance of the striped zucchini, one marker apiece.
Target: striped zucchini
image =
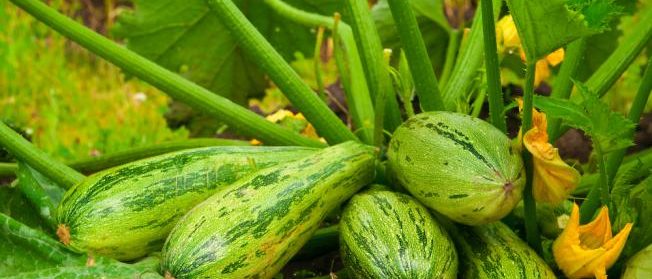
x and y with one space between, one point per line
457 165
252 228
391 235
495 251
127 211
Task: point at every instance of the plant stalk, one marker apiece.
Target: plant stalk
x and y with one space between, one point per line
26 152
328 125
563 84
368 42
467 65
425 81
600 192
94 164
317 65
246 121
531 228
454 38
640 100
609 72
494 89
355 84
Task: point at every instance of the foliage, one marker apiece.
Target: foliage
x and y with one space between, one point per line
72 104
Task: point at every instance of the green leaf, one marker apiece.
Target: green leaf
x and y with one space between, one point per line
30 253
184 36
546 25
607 128
635 207
571 113
610 129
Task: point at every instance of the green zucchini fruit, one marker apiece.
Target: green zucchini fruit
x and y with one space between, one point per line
458 165
495 251
252 228
127 211
391 235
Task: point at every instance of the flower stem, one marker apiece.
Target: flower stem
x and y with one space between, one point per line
494 90
454 38
328 125
24 151
531 228
425 81
563 83
368 42
353 79
599 193
317 64
237 117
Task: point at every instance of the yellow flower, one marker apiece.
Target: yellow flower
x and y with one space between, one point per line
553 179
588 250
509 42
299 121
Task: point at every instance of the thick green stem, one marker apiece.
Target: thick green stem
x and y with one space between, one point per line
425 81
615 159
454 38
368 42
24 151
623 56
328 125
531 228
599 193
94 164
468 64
237 117
7 169
357 93
494 90
563 84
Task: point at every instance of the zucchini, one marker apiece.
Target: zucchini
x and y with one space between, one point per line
252 228
495 251
127 211
391 235
458 165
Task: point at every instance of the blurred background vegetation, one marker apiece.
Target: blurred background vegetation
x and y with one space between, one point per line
71 103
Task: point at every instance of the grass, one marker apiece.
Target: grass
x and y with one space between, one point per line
73 104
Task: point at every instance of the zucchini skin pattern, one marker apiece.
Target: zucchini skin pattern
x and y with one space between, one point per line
391 235
127 211
495 251
458 165
252 228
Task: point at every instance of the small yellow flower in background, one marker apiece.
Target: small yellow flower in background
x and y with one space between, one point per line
588 250
509 42
296 122
553 180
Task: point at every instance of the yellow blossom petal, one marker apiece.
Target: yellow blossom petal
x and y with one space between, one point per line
542 72
588 250
553 179
555 57
507 34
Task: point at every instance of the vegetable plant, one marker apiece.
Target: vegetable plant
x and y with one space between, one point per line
454 107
